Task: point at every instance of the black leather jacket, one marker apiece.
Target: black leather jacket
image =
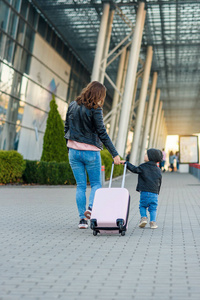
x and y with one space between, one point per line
149 177
86 126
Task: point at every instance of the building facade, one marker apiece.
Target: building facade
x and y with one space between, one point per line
34 63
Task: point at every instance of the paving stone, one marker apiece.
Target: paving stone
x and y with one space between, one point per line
45 256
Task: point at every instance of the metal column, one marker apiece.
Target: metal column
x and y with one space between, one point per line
130 78
132 106
116 94
152 130
140 111
100 43
149 115
106 46
142 134
158 143
122 90
165 133
157 124
162 141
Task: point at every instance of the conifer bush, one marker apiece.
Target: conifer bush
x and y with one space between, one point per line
54 144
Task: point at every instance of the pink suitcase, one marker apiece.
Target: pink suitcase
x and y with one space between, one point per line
111 209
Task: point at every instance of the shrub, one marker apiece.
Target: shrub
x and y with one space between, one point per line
12 166
107 160
42 172
54 144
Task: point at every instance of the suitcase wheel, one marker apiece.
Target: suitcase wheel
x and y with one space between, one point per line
120 223
93 223
94 232
123 233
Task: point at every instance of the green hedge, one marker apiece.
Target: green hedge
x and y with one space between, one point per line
43 172
106 160
13 169
12 166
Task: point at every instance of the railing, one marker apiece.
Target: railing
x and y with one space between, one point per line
194 169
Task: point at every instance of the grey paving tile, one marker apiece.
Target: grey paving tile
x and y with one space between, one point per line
44 255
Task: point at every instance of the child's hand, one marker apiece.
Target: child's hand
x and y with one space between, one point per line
122 162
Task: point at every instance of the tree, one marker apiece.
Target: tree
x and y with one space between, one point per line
54 144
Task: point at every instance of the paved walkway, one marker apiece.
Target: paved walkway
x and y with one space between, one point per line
45 256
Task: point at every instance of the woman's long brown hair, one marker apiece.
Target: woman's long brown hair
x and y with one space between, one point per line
93 95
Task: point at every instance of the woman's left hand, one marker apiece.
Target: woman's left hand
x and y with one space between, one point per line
117 160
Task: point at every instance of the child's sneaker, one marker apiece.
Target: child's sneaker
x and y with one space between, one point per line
87 213
143 222
153 225
83 224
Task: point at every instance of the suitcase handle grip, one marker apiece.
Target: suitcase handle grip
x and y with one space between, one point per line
124 175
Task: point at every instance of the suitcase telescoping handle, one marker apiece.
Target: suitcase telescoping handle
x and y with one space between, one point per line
124 174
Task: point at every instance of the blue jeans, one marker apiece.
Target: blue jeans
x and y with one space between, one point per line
150 201
80 161
163 163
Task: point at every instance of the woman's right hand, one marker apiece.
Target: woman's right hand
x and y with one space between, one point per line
117 160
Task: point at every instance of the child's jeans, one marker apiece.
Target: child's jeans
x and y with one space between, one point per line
150 201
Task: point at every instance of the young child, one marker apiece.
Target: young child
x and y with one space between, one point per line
149 183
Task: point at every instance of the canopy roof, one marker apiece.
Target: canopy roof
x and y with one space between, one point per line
172 27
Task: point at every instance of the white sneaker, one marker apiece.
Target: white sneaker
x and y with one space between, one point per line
143 222
83 224
153 225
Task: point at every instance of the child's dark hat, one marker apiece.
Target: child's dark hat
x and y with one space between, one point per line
154 155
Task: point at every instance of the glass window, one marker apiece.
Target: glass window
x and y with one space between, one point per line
3 106
25 62
49 34
73 87
21 59
32 16
28 63
59 46
53 41
20 31
42 25
16 60
3 16
29 39
6 78
16 4
8 53
65 52
70 57
2 41
10 109
24 8
12 24
11 139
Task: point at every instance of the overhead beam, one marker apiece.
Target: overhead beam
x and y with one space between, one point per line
163 39
121 4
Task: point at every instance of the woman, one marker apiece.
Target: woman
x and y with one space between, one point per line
85 132
171 160
177 160
163 160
